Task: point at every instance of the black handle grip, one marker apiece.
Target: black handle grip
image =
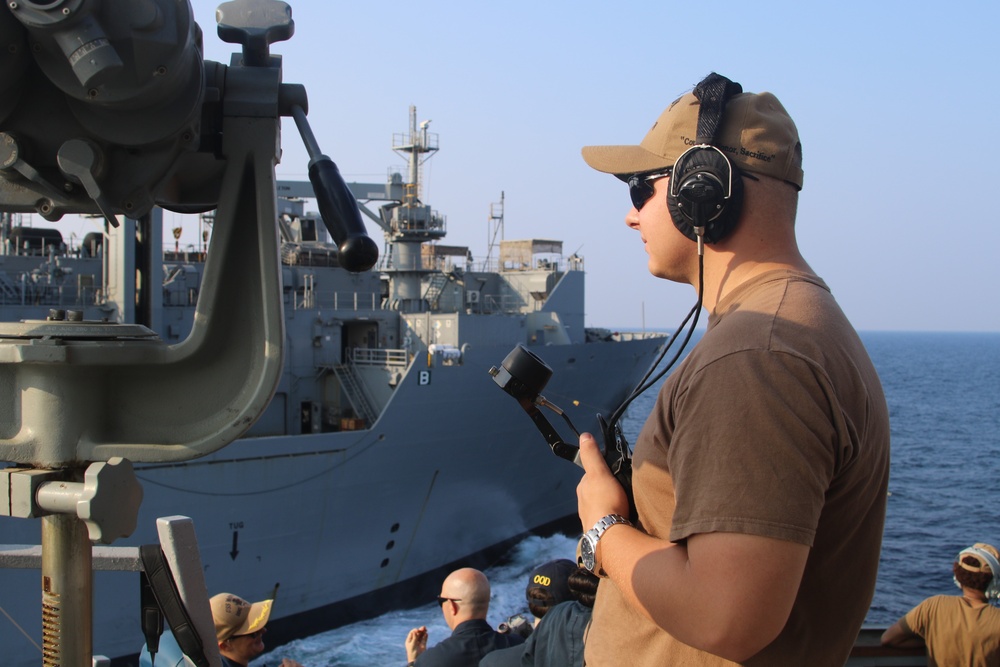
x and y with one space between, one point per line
358 252
619 459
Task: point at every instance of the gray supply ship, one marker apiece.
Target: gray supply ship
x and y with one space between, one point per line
386 456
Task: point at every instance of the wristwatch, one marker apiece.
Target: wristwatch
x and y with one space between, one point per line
588 543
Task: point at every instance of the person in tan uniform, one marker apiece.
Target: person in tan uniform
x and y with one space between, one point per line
958 629
760 476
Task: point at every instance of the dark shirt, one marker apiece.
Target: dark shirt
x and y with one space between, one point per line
226 662
558 638
557 641
468 643
504 657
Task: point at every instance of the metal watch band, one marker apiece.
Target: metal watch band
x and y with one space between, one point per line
593 536
606 522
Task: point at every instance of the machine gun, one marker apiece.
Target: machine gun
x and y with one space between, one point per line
109 108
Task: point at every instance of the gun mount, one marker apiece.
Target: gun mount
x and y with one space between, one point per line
109 108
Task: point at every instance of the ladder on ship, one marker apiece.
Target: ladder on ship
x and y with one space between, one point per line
351 383
10 291
434 288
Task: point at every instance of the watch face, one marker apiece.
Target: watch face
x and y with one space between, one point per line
587 555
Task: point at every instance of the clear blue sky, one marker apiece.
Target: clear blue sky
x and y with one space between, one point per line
896 103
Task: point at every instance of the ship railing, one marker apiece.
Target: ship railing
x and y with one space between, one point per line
305 297
508 304
556 264
26 292
625 336
377 356
421 221
355 301
189 255
309 297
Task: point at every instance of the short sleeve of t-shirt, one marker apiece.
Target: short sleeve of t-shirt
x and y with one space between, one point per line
917 620
775 404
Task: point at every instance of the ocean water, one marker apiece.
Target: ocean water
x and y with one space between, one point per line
943 391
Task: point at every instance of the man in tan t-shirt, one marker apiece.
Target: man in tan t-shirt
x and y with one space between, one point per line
958 629
760 476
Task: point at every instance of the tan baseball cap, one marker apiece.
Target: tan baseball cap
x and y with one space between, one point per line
979 551
756 134
235 616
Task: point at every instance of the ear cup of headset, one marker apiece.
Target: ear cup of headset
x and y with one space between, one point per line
697 172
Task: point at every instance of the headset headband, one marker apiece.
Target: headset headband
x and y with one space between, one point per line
712 94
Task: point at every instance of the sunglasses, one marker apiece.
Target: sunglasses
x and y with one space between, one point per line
442 600
251 635
640 187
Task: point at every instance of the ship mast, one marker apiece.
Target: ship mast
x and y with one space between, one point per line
495 229
411 223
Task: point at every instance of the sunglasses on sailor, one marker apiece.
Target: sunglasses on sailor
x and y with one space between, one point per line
442 600
251 635
640 187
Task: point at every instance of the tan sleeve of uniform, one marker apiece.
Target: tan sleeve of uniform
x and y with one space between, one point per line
916 620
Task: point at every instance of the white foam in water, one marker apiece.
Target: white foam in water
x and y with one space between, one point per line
380 641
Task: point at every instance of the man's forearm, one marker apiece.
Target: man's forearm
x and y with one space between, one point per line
900 636
725 593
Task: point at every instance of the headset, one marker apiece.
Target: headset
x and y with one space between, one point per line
705 195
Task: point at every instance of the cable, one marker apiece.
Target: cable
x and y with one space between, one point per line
22 630
643 385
